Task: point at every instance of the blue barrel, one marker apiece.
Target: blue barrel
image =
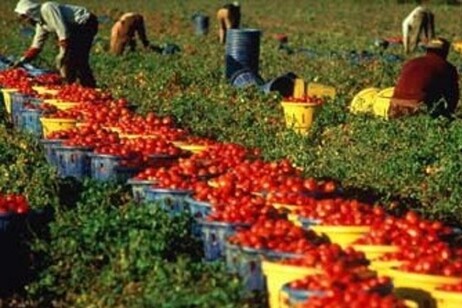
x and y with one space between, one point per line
201 24
245 78
283 84
73 161
49 145
242 50
30 121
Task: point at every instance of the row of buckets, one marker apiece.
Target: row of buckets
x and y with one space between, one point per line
262 270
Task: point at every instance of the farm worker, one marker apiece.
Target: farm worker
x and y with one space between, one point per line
229 17
418 25
75 28
124 30
429 80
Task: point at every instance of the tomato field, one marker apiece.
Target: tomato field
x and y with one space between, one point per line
210 201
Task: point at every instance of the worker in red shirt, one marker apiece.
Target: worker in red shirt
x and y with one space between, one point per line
427 80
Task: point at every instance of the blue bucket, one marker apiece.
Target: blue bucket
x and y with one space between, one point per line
17 104
242 50
246 262
283 84
298 297
170 200
73 161
49 145
214 235
139 188
30 121
197 210
201 24
103 167
5 220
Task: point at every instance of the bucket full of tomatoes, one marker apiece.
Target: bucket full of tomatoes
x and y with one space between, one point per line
139 187
214 235
171 200
49 145
73 161
299 113
247 263
107 167
30 121
51 125
197 210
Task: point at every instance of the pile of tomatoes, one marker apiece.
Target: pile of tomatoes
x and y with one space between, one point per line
13 204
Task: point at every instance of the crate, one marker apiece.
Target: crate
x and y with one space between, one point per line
30 121
197 210
139 188
49 145
107 168
171 200
214 235
51 125
73 161
247 263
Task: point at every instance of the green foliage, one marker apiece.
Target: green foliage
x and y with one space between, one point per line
108 252
23 169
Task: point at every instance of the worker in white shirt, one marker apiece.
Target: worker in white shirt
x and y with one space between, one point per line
75 28
418 26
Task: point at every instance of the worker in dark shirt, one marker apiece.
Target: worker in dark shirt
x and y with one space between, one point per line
429 80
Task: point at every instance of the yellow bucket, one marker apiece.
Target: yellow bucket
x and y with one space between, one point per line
448 299
113 129
289 208
420 281
51 125
342 235
373 252
457 46
278 274
363 101
136 136
381 103
382 267
61 105
320 90
194 148
299 116
45 90
7 98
